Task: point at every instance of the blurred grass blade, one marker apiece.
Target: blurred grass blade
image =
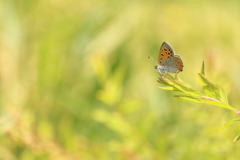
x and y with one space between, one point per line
229 123
236 138
212 89
203 69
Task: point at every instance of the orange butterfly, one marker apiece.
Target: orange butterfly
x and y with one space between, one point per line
168 61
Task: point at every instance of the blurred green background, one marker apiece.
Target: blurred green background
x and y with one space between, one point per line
76 82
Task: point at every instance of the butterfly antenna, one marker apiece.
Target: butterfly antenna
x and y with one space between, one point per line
154 63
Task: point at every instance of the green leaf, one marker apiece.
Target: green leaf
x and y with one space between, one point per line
212 89
176 85
167 88
229 123
207 100
203 69
236 138
162 79
186 88
167 82
189 98
216 102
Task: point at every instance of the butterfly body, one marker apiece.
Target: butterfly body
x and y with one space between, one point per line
168 61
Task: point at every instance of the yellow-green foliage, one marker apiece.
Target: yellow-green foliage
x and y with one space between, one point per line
76 83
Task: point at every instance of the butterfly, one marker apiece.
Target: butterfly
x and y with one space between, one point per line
168 61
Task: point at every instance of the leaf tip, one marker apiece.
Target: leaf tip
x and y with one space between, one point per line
203 68
236 138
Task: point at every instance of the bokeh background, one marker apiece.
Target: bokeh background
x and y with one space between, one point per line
76 82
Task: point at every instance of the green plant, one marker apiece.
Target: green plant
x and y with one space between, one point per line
213 93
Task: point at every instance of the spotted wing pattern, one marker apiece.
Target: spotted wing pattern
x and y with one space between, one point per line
166 51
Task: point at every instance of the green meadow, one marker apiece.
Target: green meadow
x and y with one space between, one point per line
76 82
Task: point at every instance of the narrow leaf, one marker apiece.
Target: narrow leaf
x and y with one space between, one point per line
162 79
167 82
203 69
189 98
207 100
216 102
168 88
212 89
229 123
177 85
236 138
186 88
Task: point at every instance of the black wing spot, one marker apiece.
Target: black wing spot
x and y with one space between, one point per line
165 49
162 54
160 58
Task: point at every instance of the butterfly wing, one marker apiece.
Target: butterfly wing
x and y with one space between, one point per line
166 51
180 63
